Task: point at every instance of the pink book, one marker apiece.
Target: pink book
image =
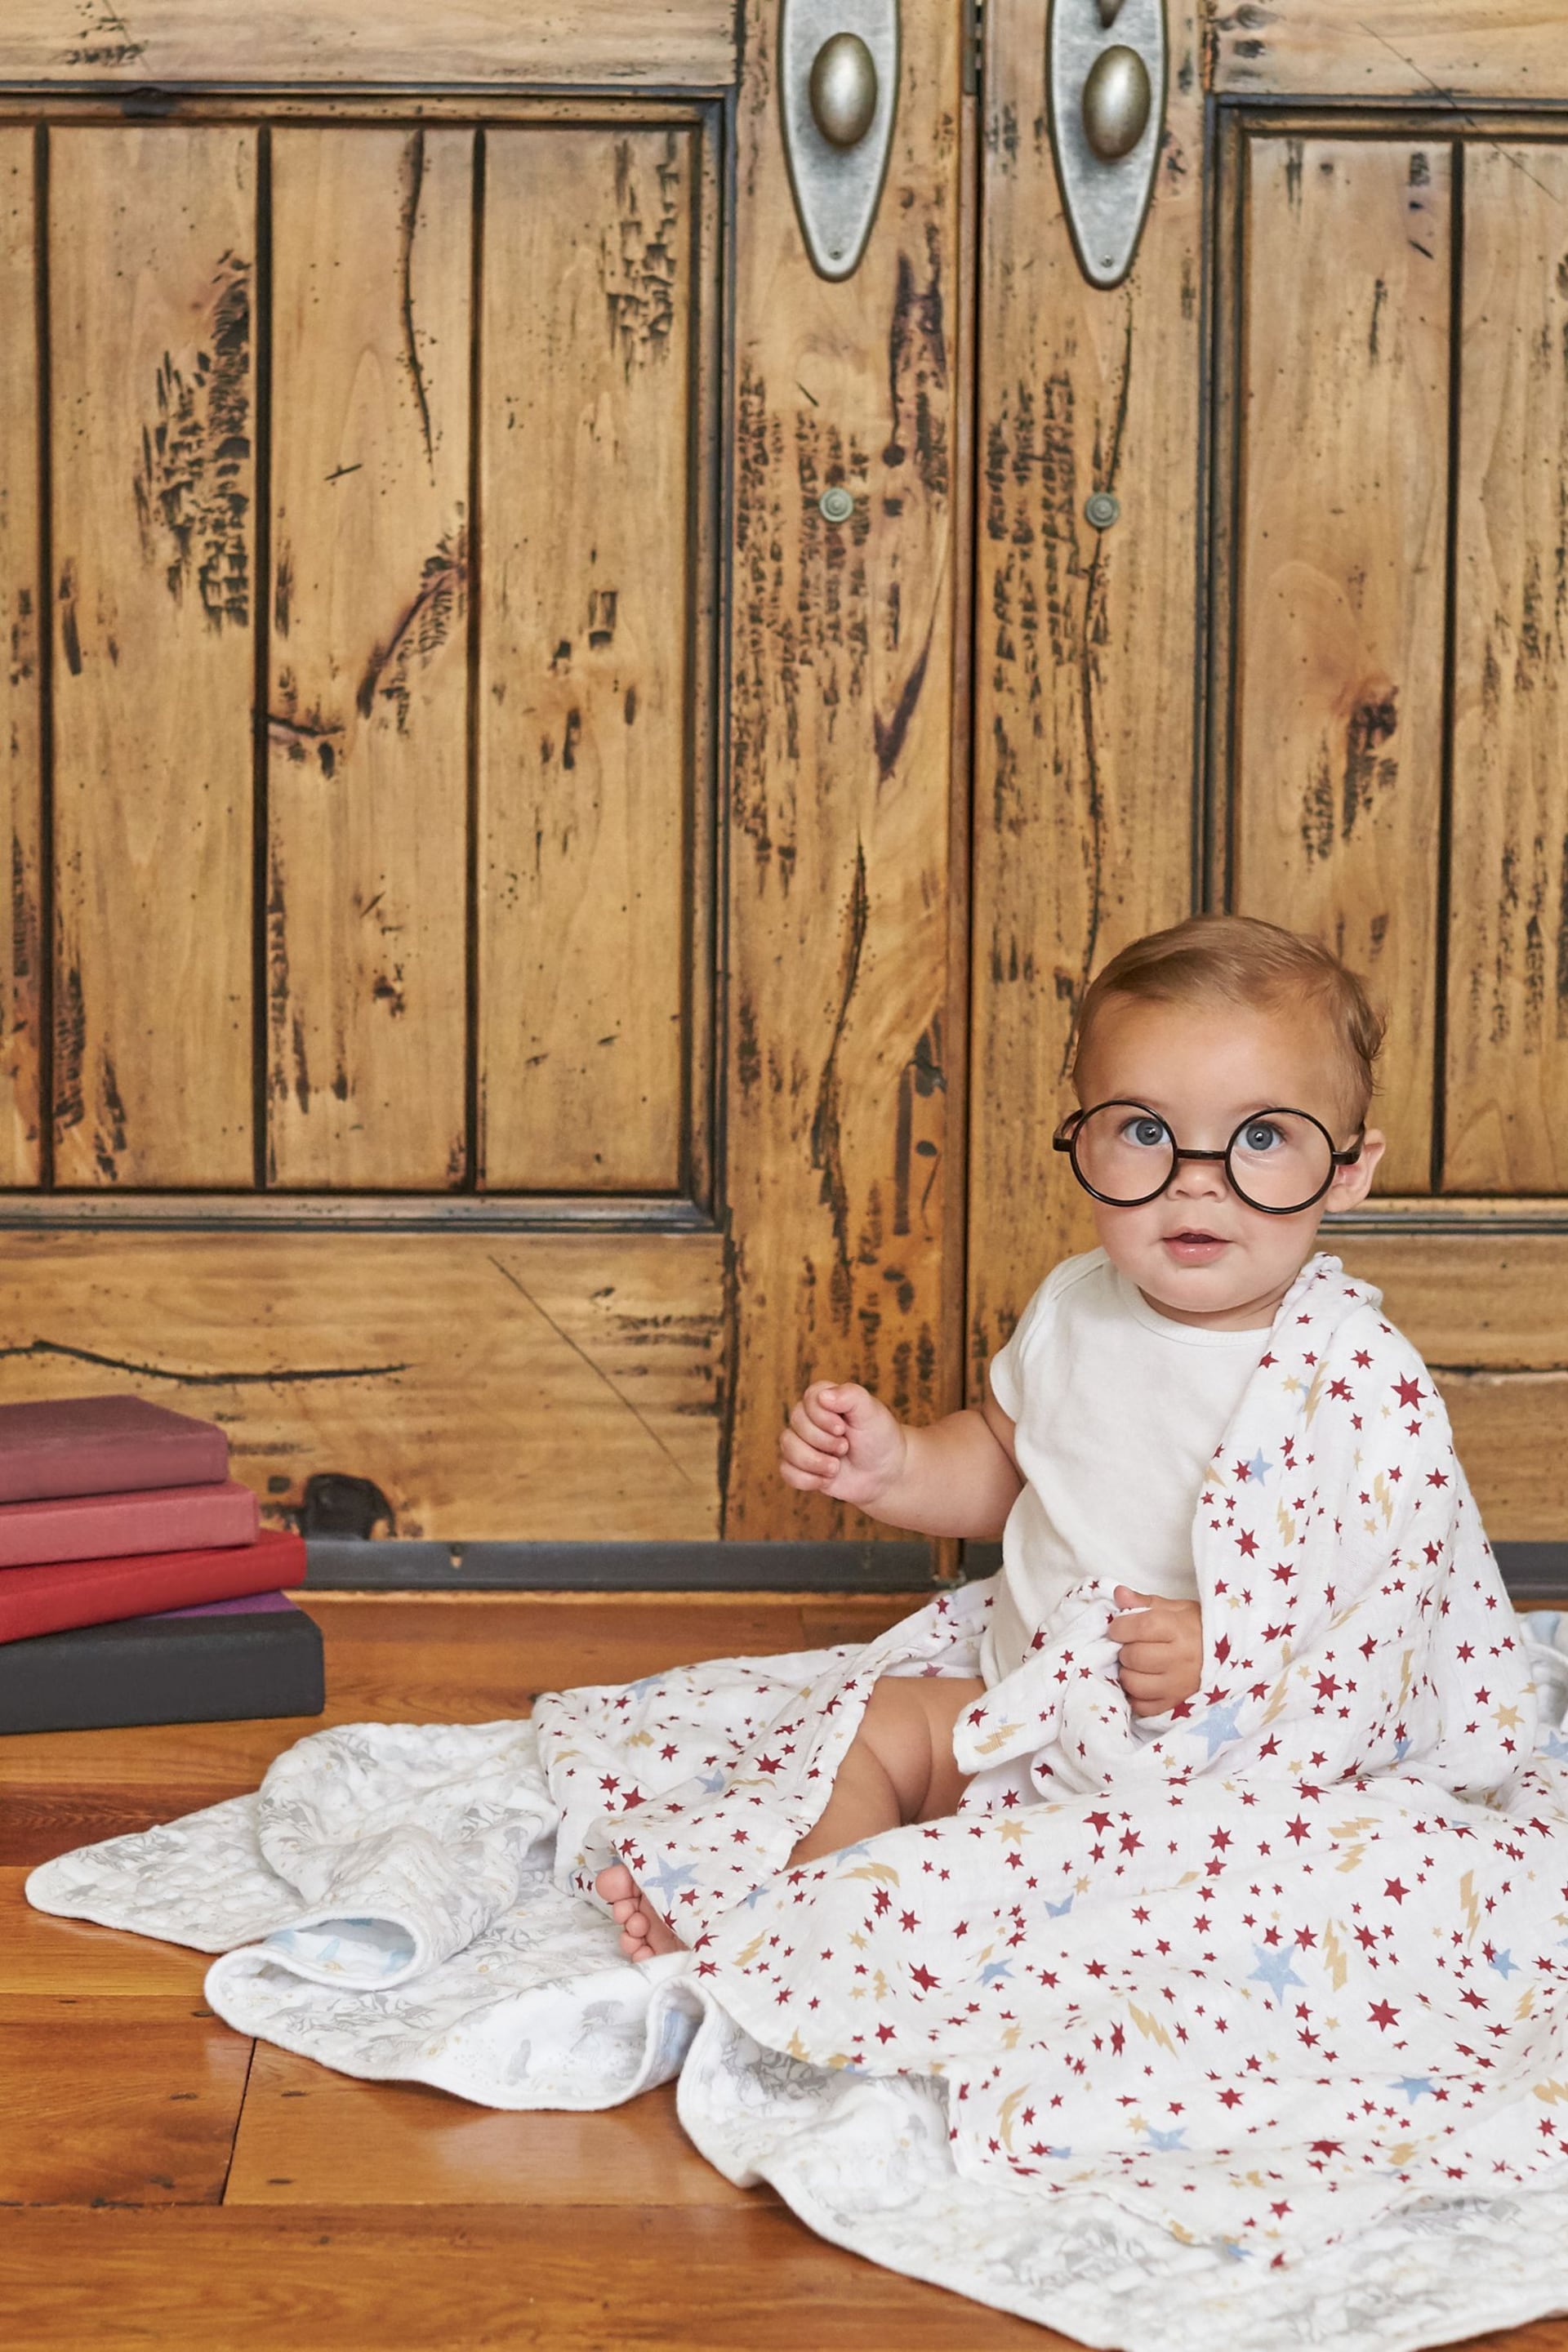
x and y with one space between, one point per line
104 1446
103 1527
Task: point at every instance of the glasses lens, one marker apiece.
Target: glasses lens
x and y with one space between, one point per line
1280 1159
1123 1152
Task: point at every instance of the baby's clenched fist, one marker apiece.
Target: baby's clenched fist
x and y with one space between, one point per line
841 1442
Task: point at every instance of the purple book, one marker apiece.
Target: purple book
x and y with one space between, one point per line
103 1445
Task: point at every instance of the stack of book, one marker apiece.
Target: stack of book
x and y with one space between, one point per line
136 1584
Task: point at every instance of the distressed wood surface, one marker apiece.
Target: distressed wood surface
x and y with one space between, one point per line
367 710
454 2278
588 515
559 1386
840 1120
617 42
152 243
21 913
1506 1105
420 1657
1083 764
128 2109
1417 50
1337 746
1483 1301
312 2137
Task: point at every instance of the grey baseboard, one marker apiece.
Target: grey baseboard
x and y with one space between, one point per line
355 1564
1535 1573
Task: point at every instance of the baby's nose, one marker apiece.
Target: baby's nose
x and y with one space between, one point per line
1201 1178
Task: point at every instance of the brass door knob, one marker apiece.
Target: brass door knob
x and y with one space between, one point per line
844 90
1116 101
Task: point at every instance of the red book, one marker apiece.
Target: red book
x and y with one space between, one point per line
96 1591
107 1526
104 1446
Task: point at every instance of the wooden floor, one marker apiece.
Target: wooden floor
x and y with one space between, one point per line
168 2183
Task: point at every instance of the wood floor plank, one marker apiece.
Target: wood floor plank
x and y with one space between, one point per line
455 2279
431 1658
117 2110
38 1820
308 2136
39 1954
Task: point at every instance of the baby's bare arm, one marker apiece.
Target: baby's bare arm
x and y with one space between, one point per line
955 1477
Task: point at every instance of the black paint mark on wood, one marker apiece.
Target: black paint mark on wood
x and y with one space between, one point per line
641 269
437 612
71 1050
281 1376
1373 723
191 486
1379 297
109 1130
70 636
413 188
889 736
917 371
602 603
826 1135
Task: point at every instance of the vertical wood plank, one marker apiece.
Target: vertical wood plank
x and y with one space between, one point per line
151 268
367 787
1084 640
21 750
1508 949
1337 767
842 991
583 743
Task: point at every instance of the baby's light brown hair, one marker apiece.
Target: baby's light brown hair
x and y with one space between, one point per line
1236 960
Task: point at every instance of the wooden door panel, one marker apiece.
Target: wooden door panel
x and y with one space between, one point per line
1507 49
846 941
1085 641
1338 749
544 1386
152 245
671 43
21 697
366 874
590 520
1508 957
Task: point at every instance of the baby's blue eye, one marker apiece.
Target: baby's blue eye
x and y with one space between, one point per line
1260 1135
1149 1132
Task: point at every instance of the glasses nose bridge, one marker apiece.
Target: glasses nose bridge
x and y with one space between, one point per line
1181 1152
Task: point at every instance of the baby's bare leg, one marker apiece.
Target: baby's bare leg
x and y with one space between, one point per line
899 1766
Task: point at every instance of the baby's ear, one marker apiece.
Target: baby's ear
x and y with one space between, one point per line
1352 1184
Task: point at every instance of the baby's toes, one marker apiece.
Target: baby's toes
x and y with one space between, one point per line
614 1884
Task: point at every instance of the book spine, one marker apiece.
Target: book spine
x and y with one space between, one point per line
112 1465
97 1592
179 1519
208 1673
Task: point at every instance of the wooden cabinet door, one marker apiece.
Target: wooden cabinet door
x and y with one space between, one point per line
480 972
1317 669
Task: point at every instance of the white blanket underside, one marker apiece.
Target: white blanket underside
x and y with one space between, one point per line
1250 2035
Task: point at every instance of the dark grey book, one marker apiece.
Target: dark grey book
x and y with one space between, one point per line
226 1661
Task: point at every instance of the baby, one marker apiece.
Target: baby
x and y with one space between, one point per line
1222 1070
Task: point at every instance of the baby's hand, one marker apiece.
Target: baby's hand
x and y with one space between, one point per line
840 1442
1162 1648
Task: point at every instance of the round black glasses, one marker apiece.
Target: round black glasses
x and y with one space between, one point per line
1279 1161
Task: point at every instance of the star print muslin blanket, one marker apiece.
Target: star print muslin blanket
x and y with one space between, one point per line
1244 2028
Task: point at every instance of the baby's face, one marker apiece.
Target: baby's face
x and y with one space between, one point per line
1199 1252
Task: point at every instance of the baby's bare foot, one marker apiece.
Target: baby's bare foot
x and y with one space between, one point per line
644 1935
